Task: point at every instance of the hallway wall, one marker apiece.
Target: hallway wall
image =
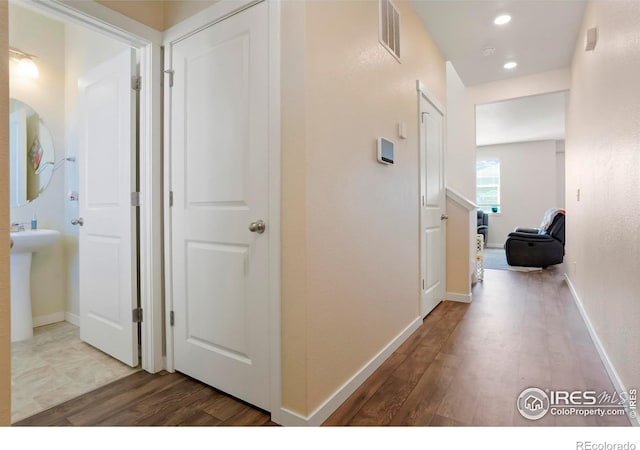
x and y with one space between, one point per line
158 14
603 162
350 232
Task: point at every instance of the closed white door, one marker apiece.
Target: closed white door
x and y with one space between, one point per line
219 180
433 206
107 233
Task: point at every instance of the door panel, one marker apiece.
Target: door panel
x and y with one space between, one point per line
433 207
107 239
220 180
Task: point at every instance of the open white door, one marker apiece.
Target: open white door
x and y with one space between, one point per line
220 184
433 220
107 234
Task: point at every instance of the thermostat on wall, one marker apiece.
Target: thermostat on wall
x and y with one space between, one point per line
385 151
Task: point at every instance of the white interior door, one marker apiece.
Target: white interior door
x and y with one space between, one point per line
219 180
433 206
107 237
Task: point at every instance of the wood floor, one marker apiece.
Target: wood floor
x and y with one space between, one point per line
142 399
468 362
464 366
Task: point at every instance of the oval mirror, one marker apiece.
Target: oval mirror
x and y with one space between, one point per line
31 154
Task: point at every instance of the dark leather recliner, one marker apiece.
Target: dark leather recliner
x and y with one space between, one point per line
536 247
483 224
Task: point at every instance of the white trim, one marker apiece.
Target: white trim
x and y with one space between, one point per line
608 365
322 413
275 308
188 27
48 319
455 297
460 199
206 18
421 88
73 319
100 18
150 219
168 257
147 41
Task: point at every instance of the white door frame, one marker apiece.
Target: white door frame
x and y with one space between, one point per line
206 18
423 93
147 41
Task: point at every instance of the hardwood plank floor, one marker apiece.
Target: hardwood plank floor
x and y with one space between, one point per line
465 365
468 362
142 399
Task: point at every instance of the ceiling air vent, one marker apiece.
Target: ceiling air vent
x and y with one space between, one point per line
390 27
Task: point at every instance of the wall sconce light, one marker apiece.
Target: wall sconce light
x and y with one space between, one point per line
26 66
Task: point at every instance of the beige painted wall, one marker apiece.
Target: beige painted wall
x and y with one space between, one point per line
5 316
41 36
178 10
350 242
158 14
603 161
148 12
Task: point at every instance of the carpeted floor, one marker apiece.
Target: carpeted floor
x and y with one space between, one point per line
494 258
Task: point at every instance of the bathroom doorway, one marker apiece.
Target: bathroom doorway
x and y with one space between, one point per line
57 364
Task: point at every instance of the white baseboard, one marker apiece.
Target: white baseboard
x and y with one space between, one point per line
73 319
455 297
490 245
322 413
48 319
611 370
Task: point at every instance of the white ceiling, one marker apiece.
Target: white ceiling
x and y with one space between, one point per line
535 118
540 37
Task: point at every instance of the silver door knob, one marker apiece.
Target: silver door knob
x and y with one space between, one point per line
258 227
78 221
444 217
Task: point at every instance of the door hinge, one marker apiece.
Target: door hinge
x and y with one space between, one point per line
171 73
423 284
136 82
170 198
423 201
172 319
137 315
135 199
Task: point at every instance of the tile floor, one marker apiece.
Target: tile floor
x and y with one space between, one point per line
55 366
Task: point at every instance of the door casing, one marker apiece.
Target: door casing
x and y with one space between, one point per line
148 42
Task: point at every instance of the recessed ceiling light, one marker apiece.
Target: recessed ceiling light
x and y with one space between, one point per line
502 19
511 65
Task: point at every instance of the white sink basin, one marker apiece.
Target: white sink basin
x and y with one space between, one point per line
30 241
24 244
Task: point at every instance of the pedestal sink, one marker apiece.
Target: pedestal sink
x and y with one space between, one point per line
24 244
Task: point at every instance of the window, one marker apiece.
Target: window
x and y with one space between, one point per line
488 185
